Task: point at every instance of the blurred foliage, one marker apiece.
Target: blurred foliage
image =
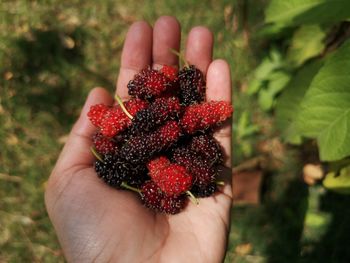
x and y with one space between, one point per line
301 87
53 52
300 12
306 43
304 74
339 182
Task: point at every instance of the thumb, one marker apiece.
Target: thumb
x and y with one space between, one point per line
76 151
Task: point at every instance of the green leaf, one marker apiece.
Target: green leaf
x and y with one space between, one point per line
265 100
307 42
288 103
298 12
338 165
338 183
316 220
245 128
269 64
255 85
325 111
276 82
270 31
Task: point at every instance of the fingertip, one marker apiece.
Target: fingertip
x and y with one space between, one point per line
201 31
99 93
219 81
219 67
136 33
96 96
140 23
138 46
167 21
136 54
199 47
138 28
166 36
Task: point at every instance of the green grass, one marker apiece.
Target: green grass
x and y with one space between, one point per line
53 52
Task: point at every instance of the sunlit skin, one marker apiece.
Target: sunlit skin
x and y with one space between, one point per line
96 223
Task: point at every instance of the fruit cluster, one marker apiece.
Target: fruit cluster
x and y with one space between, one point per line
160 143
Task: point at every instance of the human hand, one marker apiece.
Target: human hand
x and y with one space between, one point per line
96 223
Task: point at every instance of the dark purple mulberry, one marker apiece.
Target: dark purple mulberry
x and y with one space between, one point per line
114 170
204 191
140 149
200 168
192 86
161 110
206 146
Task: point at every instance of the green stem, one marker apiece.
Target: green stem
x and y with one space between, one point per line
126 186
181 56
221 183
120 102
96 154
193 199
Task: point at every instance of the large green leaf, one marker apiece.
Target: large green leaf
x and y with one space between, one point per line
307 42
297 12
288 103
338 183
325 111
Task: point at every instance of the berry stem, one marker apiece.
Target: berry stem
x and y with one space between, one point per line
96 154
221 183
126 186
193 199
120 102
181 56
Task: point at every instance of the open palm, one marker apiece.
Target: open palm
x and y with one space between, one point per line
96 223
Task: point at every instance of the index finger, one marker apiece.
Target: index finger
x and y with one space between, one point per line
136 55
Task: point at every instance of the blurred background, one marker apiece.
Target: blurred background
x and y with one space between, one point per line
291 166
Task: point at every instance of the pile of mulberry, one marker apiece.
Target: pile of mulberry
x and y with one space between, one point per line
160 143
